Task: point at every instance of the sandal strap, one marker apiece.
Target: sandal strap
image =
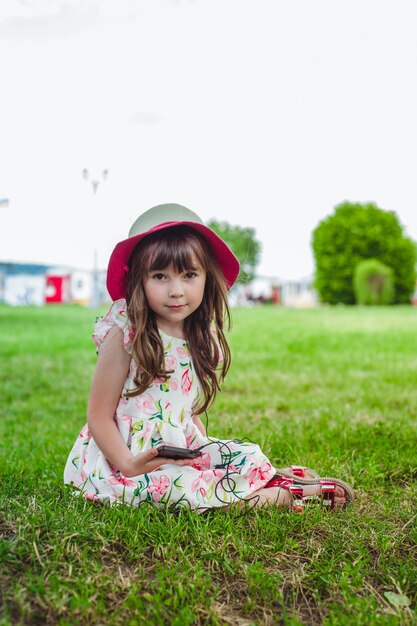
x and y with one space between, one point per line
280 481
328 492
297 492
298 470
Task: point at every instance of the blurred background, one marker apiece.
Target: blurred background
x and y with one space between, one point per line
260 116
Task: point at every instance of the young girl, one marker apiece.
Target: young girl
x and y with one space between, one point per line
162 354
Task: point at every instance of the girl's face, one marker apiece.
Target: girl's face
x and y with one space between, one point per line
173 296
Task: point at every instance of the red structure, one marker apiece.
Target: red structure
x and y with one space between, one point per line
58 288
276 294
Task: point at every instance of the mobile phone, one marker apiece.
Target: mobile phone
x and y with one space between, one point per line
171 452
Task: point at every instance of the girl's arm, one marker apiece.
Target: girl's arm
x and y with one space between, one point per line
111 371
197 421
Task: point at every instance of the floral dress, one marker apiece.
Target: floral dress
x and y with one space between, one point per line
226 472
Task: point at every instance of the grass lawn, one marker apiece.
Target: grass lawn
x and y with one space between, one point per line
335 389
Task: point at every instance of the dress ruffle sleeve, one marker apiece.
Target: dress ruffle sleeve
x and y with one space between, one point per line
116 316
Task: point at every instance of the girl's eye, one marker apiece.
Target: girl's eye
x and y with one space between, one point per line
158 276
190 275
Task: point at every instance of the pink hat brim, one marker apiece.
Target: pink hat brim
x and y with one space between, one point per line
117 274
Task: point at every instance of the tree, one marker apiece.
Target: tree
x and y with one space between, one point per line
356 232
243 244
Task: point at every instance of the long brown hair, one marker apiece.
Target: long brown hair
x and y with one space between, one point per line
178 246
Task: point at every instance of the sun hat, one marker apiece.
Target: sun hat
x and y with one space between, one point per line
158 218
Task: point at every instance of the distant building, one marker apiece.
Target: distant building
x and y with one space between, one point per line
289 293
36 284
22 283
299 293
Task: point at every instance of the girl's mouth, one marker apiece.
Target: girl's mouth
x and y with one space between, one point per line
176 307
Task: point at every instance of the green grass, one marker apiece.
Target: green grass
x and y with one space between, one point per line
331 388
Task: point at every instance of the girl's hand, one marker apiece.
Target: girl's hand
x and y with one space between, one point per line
149 461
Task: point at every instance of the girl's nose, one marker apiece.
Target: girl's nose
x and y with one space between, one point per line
176 289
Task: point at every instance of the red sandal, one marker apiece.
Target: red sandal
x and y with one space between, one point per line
328 491
301 471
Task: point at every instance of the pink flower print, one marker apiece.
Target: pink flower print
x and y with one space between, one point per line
85 433
258 476
91 496
174 384
198 483
145 403
165 385
126 481
170 362
202 462
128 419
183 353
122 480
143 432
159 486
128 338
189 440
186 382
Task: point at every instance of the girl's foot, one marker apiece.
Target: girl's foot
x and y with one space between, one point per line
340 499
279 496
331 493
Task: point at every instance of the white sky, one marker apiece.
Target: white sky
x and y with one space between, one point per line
264 113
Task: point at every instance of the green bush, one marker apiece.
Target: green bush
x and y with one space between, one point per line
356 232
373 283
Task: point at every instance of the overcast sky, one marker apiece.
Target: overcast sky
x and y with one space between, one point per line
264 113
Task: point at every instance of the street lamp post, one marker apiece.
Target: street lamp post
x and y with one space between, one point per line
95 297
